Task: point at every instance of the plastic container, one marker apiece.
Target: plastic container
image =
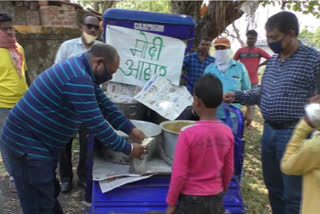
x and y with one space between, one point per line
170 137
149 129
149 196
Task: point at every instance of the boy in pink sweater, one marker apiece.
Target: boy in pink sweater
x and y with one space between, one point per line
203 161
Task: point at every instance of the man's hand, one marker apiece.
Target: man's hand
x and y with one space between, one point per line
138 151
137 135
248 116
315 99
228 97
171 209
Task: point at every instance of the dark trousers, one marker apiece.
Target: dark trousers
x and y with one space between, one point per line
189 204
65 160
35 181
284 190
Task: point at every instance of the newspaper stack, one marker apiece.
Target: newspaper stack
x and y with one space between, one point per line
165 98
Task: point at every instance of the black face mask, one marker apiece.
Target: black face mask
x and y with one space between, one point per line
106 76
276 46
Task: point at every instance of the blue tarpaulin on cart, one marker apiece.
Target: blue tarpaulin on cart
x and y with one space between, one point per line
171 25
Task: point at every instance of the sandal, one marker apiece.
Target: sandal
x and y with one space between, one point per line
250 127
12 186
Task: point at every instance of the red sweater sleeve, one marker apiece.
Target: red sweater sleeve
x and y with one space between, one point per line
179 169
264 54
236 55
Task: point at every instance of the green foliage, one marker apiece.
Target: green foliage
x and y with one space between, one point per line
311 37
161 6
305 6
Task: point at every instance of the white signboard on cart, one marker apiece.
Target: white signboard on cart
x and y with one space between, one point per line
143 55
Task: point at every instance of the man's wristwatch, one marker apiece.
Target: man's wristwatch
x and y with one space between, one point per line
131 150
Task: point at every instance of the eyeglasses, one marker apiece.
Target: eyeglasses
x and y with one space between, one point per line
10 28
89 26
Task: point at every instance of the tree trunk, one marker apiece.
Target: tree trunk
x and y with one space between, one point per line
219 15
191 8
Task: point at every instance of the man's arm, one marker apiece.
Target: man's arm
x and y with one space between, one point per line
265 55
263 63
80 93
25 67
112 113
28 80
248 97
184 72
246 85
316 77
237 55
61 53
185 62
245 80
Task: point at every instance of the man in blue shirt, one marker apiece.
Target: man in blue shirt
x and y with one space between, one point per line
289 80
193 67
195 63
71 48
232 74
41 124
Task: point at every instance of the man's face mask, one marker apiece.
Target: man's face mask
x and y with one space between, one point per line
106 76
276 47
89 38
223 59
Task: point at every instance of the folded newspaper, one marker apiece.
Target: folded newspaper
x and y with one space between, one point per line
122 93
113 175
165 98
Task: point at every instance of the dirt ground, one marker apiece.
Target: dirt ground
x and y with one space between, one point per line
72 203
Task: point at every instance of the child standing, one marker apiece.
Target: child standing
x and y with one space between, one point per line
203 161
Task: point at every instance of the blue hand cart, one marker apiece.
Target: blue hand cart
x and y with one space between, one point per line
149 195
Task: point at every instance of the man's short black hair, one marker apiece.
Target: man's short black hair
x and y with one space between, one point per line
208 88
4 17
206 39
284 21
87 15
252 33
106 51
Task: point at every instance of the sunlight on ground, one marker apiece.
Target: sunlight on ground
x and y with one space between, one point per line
3 171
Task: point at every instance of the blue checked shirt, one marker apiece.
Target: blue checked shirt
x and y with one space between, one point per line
286 86
194 68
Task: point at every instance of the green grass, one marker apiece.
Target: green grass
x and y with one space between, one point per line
254 192
75 143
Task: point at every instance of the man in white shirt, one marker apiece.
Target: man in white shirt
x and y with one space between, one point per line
70 48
